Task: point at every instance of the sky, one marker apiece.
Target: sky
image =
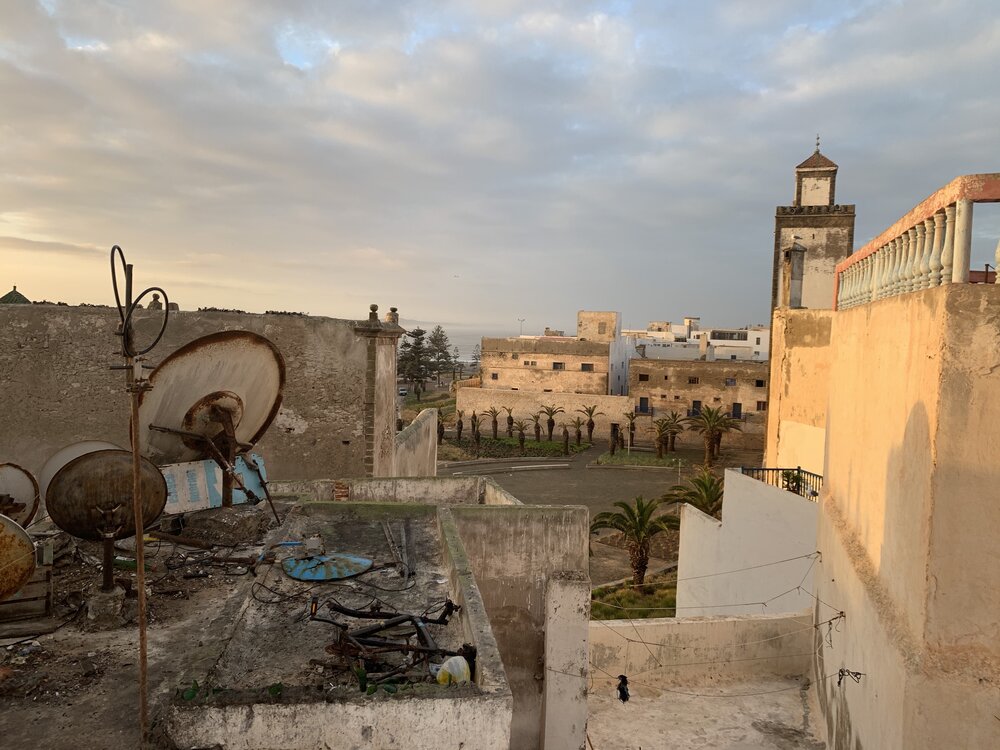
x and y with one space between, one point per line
471 163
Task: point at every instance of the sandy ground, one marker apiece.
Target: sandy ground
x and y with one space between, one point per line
655 719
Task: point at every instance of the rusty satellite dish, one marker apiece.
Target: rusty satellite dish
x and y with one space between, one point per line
62 457
18 494
218 389
91 496
17 557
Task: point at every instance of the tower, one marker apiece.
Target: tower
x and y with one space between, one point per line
810 237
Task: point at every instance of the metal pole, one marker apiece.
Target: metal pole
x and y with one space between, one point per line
135 387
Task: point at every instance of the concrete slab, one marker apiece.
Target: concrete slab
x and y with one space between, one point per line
765 714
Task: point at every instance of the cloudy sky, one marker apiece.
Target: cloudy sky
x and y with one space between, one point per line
471 162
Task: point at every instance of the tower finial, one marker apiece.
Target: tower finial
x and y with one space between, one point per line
817 143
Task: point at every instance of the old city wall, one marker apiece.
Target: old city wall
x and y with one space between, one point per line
57 388
502 371
907 527
416 447
799 387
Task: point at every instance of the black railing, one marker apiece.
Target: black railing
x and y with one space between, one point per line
646 412
796 480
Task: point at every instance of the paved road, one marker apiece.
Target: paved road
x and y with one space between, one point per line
575 485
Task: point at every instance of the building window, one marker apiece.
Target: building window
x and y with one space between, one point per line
760 383
762 406
586 367
663 395
602 328
758 341
732 356
494 376
533 363
677 398
558 365
730 381
513 389
526 363
643 377
717 399
693 381
546 390
666 377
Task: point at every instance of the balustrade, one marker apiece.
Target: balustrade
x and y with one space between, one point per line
928 247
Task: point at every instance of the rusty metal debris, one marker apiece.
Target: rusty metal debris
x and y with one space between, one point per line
17 557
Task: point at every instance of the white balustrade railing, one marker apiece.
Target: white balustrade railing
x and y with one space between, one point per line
928 247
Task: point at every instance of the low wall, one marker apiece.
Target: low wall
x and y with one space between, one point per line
526 403
689 651
416 447
760 525
514 553
494 494
469 490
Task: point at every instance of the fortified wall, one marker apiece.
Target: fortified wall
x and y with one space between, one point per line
337 417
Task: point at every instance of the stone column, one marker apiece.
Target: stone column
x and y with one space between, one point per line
893 281
936 264
918 258
380 393
948 250
567 628
927 231
963 242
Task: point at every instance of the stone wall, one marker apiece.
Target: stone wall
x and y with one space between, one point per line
416 447
760 525
667 385
689 651
801 357
503 371
909 521
515 552
57 388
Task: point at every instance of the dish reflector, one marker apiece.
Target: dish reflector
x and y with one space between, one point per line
17 557
18 494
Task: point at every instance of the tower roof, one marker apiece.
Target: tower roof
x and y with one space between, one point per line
817 161
14 297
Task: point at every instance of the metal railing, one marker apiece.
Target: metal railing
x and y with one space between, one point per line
796 480
647 412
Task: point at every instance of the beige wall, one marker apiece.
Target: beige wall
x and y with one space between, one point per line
415 453
909 523
668 389
801 358
57 388
589 322
539 373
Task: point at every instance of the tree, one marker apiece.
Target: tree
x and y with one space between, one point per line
459 424
476 357
675 426
590 412
565 435
439 352
703 491
638 526
494 416
661 435
456 364
550 412
520 427
578 423
510 420
536 420
413 363
630 418
712 423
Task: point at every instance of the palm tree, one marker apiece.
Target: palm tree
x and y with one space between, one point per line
565 439
638 527
510 420
712 423
550 412
577 423
520 426
474 419
662 434
459 425
675 426
703 491
494 416
536 419
630 418
590 412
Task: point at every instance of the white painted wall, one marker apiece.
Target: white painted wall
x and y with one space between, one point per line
761 525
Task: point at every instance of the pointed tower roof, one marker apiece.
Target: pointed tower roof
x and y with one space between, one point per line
14 297
817 160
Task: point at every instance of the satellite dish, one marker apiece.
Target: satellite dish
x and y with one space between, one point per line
225 384
17 557
18 494
62 457
91 496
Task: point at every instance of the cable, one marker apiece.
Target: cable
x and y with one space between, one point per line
813 555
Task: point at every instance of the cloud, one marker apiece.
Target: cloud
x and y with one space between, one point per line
475 162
